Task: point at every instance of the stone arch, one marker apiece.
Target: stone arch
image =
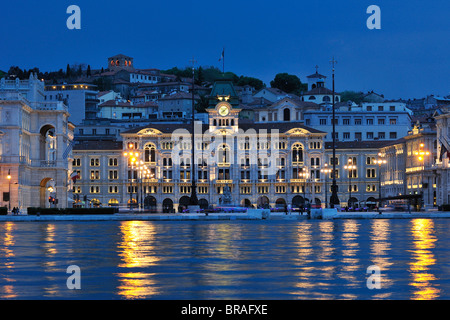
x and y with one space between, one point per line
167 205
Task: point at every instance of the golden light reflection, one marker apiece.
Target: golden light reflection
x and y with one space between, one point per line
7 290
305 272
424 239
49 245
137 250
8 242
380 247
350 255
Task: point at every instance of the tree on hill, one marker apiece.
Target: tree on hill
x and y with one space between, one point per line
348 95
288 83
254 82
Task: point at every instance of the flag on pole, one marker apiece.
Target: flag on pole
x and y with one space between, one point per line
68 149
222 55
74 176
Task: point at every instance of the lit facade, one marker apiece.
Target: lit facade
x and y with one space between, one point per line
34 146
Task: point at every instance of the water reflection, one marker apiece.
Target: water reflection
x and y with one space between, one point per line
137 250
423 259
350 257
380 249
7 255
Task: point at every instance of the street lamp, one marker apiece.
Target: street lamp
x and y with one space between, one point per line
421 154
380 162
9 178
350 167
304 175
132 158
326 171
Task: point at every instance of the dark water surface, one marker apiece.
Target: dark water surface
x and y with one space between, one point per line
312 259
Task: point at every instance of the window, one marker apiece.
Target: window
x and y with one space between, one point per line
245 190
371 188
358 122
113 189
346 122
369 108
280 189
95 175
371 173
167 189
370 160
95 189
391 108
369 135
358 135
297 153
113 174
113 162
203 190
263 189
380 121
323 121
334 161
380 108
224 174
381 135
150 153
393 121
76 189
76 162
315 162
369 122
315 145
185 189
346 135
392 135
95 162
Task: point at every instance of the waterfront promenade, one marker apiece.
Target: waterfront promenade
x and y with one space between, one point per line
222 216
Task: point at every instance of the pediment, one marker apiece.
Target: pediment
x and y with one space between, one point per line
149 132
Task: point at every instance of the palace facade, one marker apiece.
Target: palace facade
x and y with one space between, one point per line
276 164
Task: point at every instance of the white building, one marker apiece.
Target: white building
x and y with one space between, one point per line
369 121
81 99
34 146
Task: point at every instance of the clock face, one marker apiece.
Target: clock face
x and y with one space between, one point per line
223 110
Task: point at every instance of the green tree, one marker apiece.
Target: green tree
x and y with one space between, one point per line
201 104
288 83
254 82
348 95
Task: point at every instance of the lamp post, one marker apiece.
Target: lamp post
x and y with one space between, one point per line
304 175
193 200
325 170
9 179
380 162
350 167
132 158
334 200
421 154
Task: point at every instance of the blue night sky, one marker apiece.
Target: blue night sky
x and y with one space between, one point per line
407 58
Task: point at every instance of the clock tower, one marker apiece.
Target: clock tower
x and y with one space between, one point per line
223 108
